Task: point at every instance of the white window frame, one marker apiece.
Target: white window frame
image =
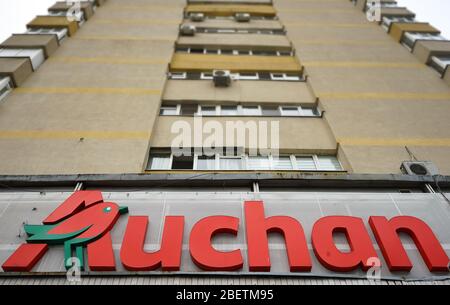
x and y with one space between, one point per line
241 110
204 76
5 83
170 163
283 113
217 110
244 159
221 112
178 75
246 77
177 109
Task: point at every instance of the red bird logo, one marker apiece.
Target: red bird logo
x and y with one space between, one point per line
80 220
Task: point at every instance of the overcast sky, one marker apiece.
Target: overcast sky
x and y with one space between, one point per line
14 14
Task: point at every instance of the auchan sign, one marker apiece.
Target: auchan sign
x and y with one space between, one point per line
84 221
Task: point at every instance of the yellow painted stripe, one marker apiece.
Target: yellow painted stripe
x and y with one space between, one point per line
329 25
85 90
354 64
384 95
138 21
394 142
66 135
115 37
122 7
317 10
109 60
342 42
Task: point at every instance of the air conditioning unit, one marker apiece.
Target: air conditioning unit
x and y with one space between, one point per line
242 17
187 30
419 168
197 17
222 78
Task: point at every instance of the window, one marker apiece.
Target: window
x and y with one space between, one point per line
310 112
282 163
237 76
230 163
208 110
182 50
196 51
226 52
36 56
290 111
206 163
270 111
206 75
258 163
440 63
162 159
409 38
327 163
5 87
189 109
183 162
305 163
208 51
229 110
178 75
248 76
387 21
160 162
60 33
169 110
251 110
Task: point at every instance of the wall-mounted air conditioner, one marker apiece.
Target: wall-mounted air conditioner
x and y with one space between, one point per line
187 30
242 17
222 78
419 168
197 17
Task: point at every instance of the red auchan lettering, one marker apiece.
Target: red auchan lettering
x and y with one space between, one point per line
84 207
203 254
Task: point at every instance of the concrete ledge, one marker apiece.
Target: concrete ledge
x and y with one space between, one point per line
49 43
424 49
280 179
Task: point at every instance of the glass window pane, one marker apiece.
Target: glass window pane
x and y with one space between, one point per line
282 163
310 112
188 109
206 163
227 163
258 163
183 162
305 163
168 110
270 111
328 163
229 110
251 110
293 111
208 110
159 162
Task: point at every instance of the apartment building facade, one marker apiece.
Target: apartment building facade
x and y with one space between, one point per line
341 116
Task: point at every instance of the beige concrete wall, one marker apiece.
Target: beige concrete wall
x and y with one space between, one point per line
91 107
240 92
305 135
378 98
